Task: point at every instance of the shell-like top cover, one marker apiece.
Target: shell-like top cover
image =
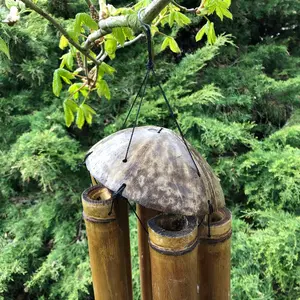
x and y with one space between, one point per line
159 172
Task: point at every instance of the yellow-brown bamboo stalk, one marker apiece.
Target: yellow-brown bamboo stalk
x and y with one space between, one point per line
144 253
122 214
214 257
173 244
106 247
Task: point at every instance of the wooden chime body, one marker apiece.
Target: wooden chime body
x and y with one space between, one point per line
178 259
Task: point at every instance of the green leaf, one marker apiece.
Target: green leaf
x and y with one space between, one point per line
65 73
63 42
171 43
119 35
171 18
70 107
154 29
80 117
22 5
165 43
88 113
71 104
219 13
104 68
4 48
211 34
77 87
110 46
226 13
174 46
128 33
67 59
201 33
103 89
181 19
10 3
57 76
83 18
56 84
69 116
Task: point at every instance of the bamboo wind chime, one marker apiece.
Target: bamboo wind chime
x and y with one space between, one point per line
184 228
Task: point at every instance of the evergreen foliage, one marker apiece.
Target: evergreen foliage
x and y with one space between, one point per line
238 105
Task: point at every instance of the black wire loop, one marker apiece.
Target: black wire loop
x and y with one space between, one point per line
115 195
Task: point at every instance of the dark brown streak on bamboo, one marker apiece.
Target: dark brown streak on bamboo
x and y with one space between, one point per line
144 253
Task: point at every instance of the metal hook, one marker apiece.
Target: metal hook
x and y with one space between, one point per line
147 28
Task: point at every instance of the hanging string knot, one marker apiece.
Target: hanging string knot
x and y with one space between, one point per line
115 195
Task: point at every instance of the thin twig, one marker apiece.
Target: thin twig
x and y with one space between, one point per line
126 44
59 28
183 8
82 86
95 80
89 3
86 70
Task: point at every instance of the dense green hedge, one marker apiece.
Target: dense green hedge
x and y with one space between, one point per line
239 106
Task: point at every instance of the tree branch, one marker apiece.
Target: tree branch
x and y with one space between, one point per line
106 25
102 9
59 28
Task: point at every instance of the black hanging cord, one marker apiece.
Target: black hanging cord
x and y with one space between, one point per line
134 211
136 97
147 28
115 195
137 116
150 67
175 120
119 193
141 93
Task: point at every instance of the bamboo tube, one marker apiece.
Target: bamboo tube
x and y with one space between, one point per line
105 245
214 257
173 244
144 253
122 214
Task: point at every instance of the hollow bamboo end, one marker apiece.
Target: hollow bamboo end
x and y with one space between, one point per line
172 233
97 203
220 225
